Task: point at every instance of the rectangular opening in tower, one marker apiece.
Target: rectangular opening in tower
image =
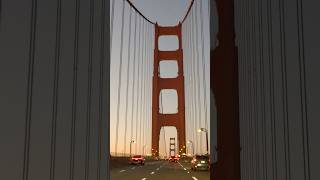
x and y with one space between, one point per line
168 43
168 69
168 101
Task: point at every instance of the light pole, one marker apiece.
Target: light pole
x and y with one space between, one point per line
190 142
206 131
132 141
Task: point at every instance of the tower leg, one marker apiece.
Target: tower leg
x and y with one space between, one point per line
155 141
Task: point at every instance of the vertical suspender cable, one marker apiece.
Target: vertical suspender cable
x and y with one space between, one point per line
146 127
248 149
150 80
185 83
149 83
209 10
120 78
286 133
147 90
254 88
203 69
248 93
101 89
303 91
138 87
191 119
252 92
245 93
55 92
127 89
75 92
190 79
241 79
198 73
271 82
89 92
248 110
143 86
133 75
193 81
263 98
186 77
112 23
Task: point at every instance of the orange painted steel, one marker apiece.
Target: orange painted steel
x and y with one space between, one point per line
159 120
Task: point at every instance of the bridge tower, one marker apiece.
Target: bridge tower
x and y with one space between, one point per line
172 147
159 120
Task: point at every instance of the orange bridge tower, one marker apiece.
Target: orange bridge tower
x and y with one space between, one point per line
159 120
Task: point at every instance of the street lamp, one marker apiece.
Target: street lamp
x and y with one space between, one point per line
206 131
132 141
190 142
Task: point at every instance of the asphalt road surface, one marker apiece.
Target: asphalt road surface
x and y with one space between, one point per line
158 170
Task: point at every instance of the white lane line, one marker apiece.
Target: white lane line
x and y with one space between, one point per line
185 169
143 178
122 170
152 172
194 178
180 165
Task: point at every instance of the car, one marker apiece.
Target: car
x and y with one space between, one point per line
137 159
200 162
173 159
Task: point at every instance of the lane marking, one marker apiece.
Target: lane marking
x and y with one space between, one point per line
188 172
185 169
122 170
180 164
143 178
152 172
194 178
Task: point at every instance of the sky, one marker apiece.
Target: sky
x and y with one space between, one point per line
165 13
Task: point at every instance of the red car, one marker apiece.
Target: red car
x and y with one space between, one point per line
137 159
173 159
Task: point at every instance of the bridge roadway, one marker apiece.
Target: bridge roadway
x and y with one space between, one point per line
158 170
